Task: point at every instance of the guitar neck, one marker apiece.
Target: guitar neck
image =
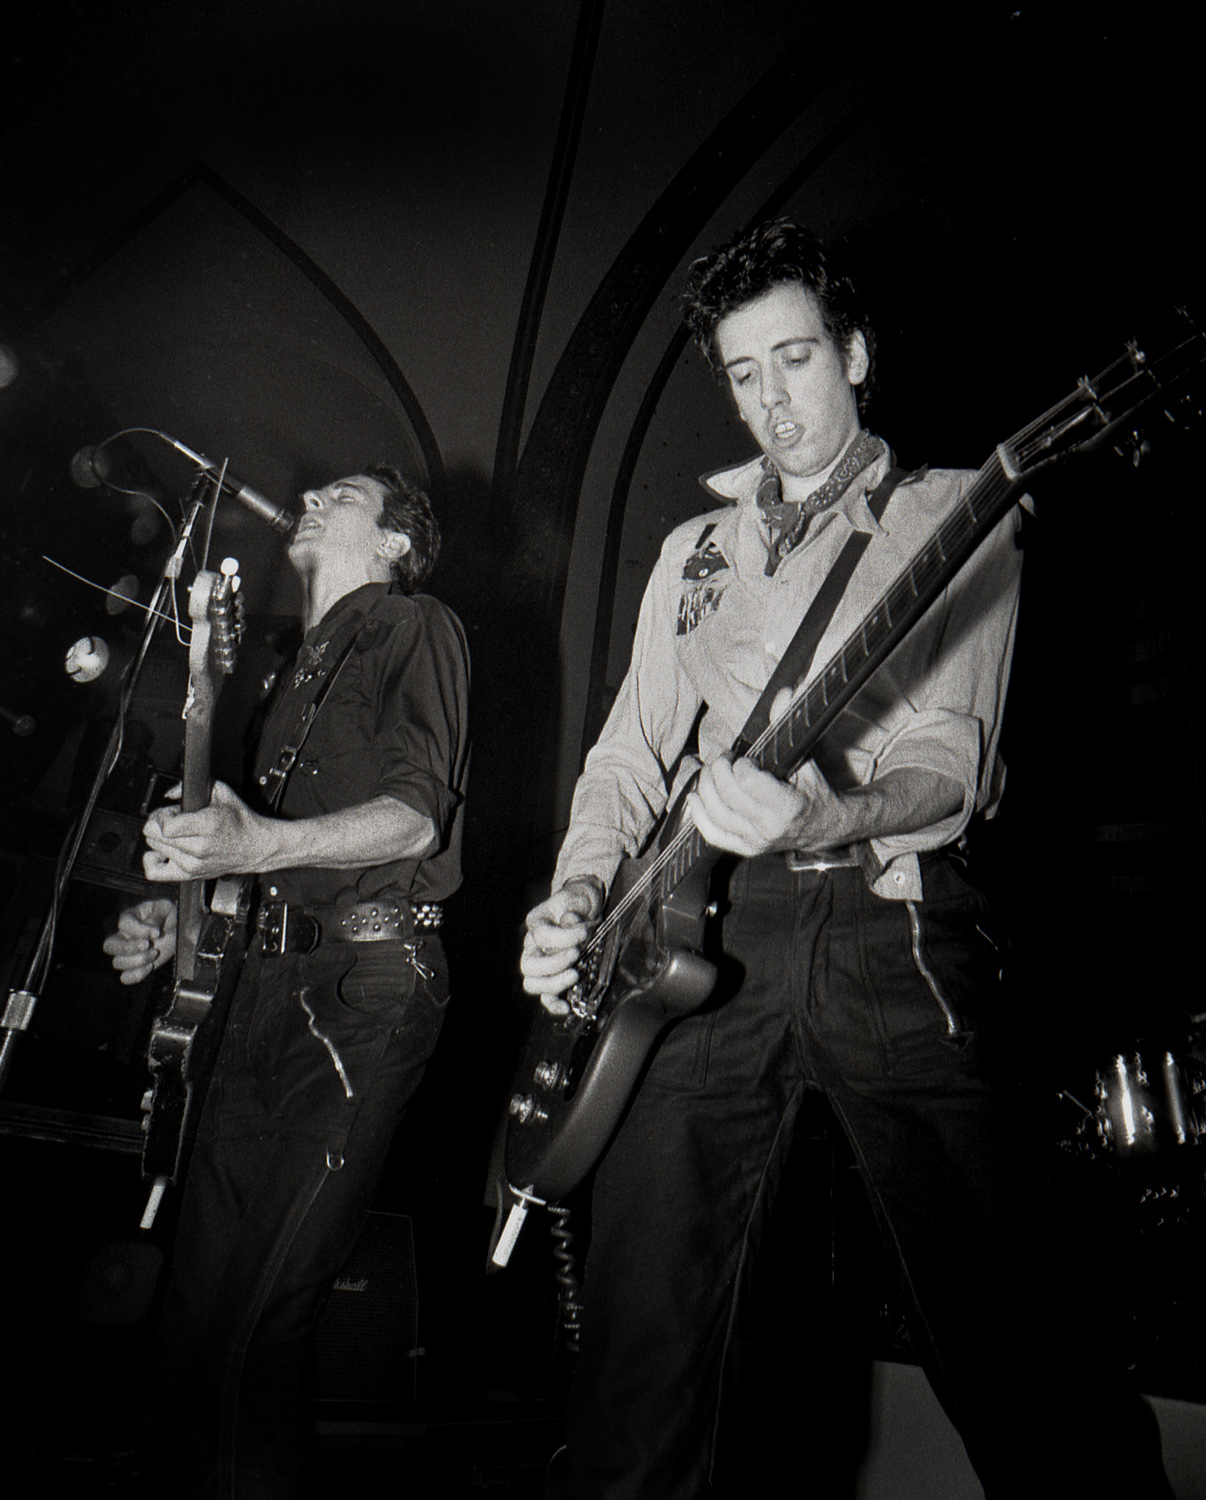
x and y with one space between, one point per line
216 614
791 740
196 787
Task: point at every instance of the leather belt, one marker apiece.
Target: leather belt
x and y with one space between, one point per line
285 927
800 861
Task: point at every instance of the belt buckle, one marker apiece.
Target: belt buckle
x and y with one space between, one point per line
287 930
272 923
804 861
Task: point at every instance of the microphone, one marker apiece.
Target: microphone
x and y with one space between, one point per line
279 519
20 724
90 468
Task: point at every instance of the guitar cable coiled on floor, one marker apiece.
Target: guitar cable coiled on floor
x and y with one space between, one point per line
569 1305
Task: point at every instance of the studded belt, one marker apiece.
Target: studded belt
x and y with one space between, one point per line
285 927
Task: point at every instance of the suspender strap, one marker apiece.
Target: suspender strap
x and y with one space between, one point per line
796 660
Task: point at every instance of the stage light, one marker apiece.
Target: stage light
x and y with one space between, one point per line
87 659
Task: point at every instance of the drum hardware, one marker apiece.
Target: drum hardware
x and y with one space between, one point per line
1146 1102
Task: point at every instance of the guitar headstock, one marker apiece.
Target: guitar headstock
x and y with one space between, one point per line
216 614
215 607
1103 408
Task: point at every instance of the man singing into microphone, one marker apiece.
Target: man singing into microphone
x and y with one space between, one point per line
340 1003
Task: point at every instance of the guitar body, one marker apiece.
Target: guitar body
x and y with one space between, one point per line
185 1037
579 1071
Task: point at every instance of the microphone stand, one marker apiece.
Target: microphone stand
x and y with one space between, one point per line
21 1003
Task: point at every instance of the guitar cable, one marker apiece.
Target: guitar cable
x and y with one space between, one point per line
569 1305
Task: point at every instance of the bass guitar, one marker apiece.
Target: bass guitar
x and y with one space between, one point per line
208 933
644 964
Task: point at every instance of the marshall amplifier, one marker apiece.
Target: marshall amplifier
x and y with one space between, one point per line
366 1348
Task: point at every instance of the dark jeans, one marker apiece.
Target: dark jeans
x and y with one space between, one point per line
320 1057
882 1007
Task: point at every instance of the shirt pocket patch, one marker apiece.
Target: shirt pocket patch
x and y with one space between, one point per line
703 587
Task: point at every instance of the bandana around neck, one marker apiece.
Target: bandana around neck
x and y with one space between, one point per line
787 520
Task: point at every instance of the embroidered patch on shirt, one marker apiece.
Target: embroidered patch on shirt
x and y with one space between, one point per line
703 591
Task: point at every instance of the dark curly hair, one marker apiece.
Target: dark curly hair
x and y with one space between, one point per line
776 253
407 508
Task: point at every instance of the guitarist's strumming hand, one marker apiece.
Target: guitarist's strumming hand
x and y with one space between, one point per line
145 939
557 930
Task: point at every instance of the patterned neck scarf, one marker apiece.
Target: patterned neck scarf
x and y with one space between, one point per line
787 520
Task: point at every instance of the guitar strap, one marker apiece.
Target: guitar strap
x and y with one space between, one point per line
275 779
796 660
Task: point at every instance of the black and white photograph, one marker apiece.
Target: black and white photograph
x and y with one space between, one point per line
602 765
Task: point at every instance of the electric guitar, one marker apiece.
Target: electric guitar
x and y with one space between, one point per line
208 936
643 965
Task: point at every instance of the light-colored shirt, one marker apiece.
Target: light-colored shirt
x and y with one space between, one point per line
711 639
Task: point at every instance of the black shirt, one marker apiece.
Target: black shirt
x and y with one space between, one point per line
394 723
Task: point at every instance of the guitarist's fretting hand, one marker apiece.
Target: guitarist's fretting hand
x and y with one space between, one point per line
557 929
738 807
741 808
223 838
145 939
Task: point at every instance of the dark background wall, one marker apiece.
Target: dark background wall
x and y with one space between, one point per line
302 235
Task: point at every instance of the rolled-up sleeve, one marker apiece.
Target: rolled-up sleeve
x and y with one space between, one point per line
938 702
420 722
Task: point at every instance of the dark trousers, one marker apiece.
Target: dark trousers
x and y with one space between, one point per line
321 1054
880 1004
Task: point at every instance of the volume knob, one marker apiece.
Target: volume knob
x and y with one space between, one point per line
525 1109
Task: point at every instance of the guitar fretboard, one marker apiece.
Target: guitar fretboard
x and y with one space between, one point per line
788 742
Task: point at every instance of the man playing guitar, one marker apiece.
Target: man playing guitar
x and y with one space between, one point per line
352 835
860 957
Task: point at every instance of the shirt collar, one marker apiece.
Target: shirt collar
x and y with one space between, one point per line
360 598
738 485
